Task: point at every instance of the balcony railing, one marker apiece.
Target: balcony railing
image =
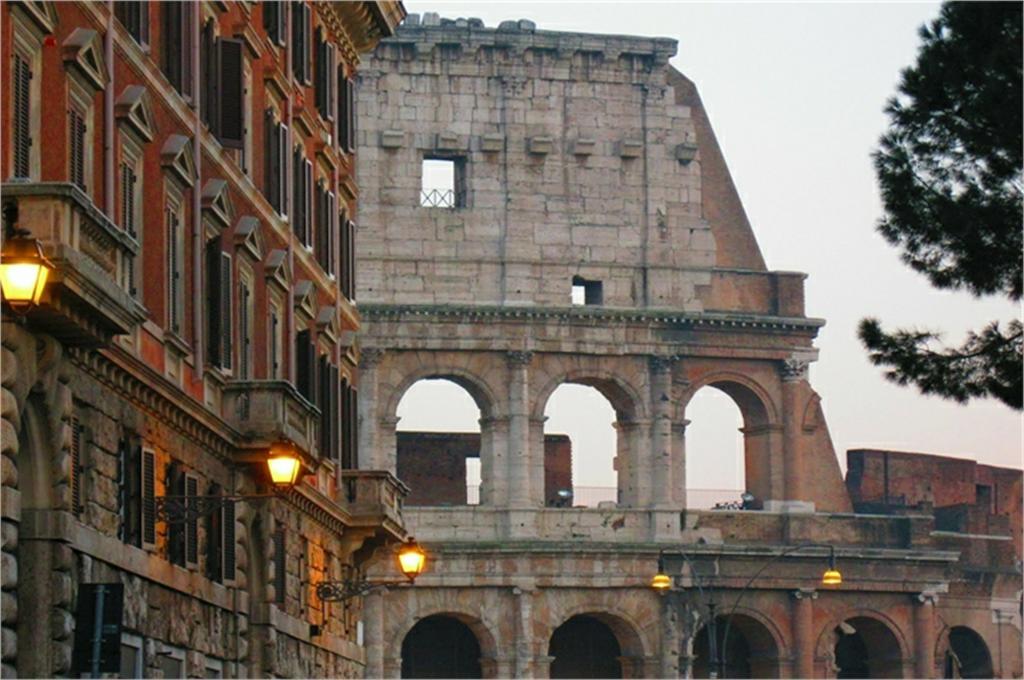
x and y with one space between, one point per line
373 497
266 411
440 198
85 302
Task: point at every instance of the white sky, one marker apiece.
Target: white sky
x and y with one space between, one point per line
795 94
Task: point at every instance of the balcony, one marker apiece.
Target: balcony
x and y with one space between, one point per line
265 411
374 498
86 302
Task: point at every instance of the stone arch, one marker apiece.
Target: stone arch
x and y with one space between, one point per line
762 446
824 650
963 653
476 385
481 629
633 649
624 397
764 646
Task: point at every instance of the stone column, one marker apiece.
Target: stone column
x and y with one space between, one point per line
524 649
627 494
660 370
519 491
373 634
924 635
369 399
679 464
671 637
803 632
493 460
794 374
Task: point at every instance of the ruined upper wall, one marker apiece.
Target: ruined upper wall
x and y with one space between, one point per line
578 159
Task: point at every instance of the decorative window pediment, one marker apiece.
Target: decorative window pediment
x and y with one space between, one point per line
275 268
176 156
276 83
216 201
327 323
82 51
248 237
132 109
42 13
305 297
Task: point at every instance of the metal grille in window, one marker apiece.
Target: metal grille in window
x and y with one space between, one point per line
440 198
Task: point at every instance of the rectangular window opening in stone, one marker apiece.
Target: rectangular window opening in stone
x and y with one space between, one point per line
443 183
585 292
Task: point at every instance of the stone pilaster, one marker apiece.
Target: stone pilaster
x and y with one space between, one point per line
661 473
803 632
373 632
525 644
520 494
924 634
369 402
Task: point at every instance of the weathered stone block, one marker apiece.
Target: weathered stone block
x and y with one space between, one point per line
583 146
686 152
540 146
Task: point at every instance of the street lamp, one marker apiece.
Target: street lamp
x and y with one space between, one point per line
23 267
283 463
661 582
411 561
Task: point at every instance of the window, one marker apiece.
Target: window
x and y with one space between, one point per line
77 443
130 489
275 344
220 541
131 206
222 64
324 86
134 16
349 427
218 305
443 182
348 257
327 402
303 195
171 661
77 145
274 20
276 150
325 210
305 367
245 312
176 52
131 656
182 537
280 565
585 292
22 115
174 218
214 668
346 112
301 45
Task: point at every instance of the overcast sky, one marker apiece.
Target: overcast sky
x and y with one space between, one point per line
795 94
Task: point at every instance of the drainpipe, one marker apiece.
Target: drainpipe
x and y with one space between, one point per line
647 206
289 196
110 189
199 347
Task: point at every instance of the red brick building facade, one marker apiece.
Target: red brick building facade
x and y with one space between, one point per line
189 169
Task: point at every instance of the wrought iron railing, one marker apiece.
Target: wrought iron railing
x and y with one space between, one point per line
440 198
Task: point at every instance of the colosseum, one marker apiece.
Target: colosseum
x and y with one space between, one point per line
590 233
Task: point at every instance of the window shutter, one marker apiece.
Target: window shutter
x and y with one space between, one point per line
76 467
318 227
307 43
22 116
323 402
76 148
213 303
333 417
274 368
270 169
229 542
343 459
297 192
243 331
328 80
304 364
297 35
332 241
231 130
319 88
350 115
352 438
148 498
307 213
280 566
272 20
344 111
130 497
173 272
176 531
170 35
282 167
192 529
225 311
209 69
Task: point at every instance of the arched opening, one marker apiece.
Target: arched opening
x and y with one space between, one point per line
585 647
580 447
714 450
440 448
728 446
441 646
866 648
745 648
967 655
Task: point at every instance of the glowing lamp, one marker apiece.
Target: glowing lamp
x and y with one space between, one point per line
23 272
411 559
661 581
284 465
832 576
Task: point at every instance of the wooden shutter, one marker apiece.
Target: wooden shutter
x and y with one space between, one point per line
300 48
280 566
273 20
209 71
148 498
319 86
344 111
230 93
282 167
329 97
318 227
134 15
173 272
214 328
225 310
307 196
334 417
270 166
22 116
297 191
175 485
229 542
171 35
192 527
76 467
131 496
322 402
274 367
304 364
352 434
243 331
76 148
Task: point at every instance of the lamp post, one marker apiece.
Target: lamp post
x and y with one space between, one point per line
23 267
717 662
412 559
283 464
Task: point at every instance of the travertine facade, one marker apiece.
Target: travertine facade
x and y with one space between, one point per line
587 161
